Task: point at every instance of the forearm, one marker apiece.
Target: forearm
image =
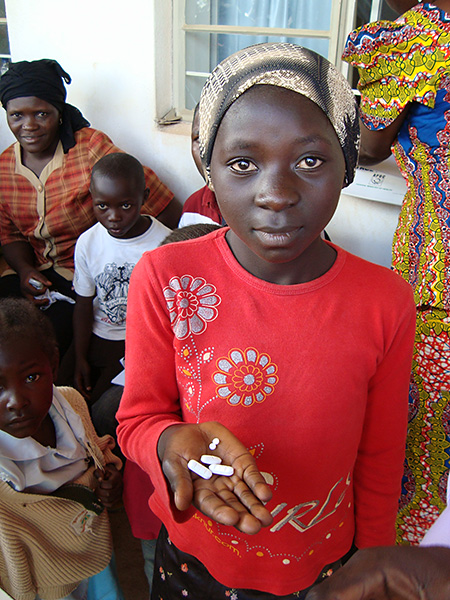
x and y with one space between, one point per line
376 144
83 318
170 215
19 256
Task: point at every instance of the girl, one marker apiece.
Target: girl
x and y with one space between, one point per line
54 533
298 348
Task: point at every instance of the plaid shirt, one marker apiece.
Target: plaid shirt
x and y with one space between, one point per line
51 211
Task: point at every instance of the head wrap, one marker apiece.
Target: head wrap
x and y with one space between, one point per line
288 66
43 79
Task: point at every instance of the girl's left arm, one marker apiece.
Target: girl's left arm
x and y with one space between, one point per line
379 466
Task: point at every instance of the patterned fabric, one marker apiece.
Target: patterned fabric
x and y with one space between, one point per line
407 62
51 211
180 575
428 442
288 66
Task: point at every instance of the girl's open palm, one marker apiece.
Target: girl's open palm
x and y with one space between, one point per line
237 500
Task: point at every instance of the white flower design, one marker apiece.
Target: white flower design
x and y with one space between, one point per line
192 303
245 377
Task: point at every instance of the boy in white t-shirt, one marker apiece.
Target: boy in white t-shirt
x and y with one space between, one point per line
105 256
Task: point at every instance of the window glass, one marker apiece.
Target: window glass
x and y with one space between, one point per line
4 42
290 14
2 9
204 51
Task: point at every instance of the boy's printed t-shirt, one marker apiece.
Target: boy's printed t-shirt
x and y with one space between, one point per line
325 422
103 266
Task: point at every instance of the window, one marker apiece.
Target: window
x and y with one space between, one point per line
207 31
5 55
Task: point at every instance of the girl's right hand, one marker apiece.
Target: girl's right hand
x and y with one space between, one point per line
235 501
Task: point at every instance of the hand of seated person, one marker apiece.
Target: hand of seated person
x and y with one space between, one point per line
33 284
390 573
82 378
235 501
110 486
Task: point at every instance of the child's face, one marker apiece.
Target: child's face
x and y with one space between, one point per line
277 168
195 148
26 387
117 205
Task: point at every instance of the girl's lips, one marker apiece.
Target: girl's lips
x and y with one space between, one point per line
277 235
20 421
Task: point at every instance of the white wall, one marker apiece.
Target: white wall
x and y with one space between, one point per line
113 49
107 46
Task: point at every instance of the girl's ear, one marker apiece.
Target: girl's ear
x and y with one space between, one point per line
55 363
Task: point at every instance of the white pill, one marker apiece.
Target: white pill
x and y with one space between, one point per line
221 470
216 441
210 459
199 469
212 446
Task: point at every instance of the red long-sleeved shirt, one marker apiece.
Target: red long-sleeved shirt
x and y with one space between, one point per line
312 378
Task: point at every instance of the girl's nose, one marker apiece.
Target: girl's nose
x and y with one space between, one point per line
278 191
16 401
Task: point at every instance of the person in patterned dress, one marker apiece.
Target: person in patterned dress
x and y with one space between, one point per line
404 69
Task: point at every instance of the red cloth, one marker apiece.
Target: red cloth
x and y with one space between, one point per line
137 489
50 212
329 364
203 202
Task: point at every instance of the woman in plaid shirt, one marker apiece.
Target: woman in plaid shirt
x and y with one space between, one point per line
45 202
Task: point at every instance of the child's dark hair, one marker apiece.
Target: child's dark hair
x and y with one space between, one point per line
189 232
20 318
119 164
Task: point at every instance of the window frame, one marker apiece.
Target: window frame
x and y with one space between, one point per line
342 21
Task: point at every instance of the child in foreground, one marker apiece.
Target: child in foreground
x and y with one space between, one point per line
292 352
56 475
105 256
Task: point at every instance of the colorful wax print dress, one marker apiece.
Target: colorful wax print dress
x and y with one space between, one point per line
407 62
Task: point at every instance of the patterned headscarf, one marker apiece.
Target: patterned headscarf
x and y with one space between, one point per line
288 66
43 79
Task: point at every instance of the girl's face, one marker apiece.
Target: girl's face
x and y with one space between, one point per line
277 168
26 387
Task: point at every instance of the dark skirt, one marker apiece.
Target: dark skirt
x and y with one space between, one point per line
180 575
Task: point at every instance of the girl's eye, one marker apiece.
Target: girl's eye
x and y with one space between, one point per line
310 162
32 377
42 114
126 206
243 165
100 206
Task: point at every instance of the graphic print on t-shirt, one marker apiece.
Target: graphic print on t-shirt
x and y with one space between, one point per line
112 291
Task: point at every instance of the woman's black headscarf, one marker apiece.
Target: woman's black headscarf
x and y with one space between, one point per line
43 79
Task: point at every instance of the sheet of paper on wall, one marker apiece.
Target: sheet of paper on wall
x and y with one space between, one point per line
381 183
